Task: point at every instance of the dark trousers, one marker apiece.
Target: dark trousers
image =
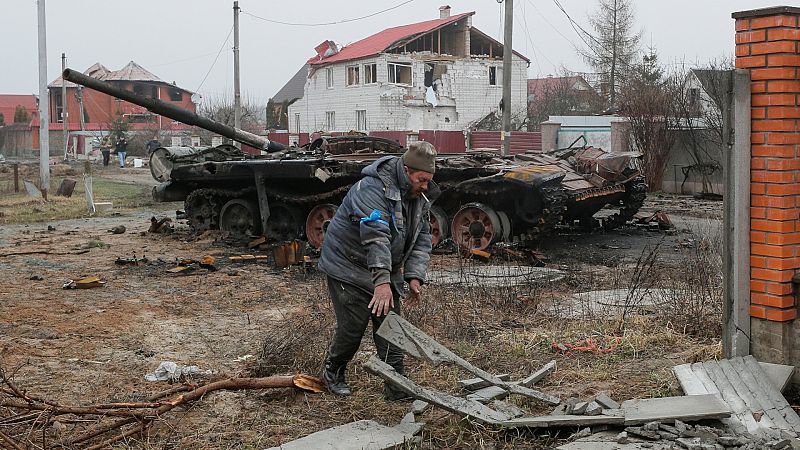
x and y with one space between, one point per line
352 317
106 156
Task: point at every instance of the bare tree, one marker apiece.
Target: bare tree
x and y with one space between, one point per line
647 100
612 48
699 108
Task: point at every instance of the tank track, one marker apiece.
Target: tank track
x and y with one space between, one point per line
204 205
635 194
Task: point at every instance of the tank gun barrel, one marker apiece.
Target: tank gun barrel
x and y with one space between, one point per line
173 112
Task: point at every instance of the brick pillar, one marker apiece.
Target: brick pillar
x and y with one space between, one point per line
549 135
767 43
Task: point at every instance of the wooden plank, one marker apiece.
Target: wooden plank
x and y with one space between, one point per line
690 384
749 380
737 396
687 408
772 392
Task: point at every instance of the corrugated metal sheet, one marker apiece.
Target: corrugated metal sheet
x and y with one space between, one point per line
521 141
399 136
444 141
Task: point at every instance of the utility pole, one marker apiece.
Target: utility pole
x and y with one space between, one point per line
507 52
613 98
44 104
64 108
237 97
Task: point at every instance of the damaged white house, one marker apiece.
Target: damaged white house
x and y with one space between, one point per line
440 74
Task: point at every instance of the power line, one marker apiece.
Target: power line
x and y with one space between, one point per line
551 24
575 24
530 40
191 58
222 47
318 24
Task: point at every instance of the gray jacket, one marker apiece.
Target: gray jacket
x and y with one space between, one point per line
395 247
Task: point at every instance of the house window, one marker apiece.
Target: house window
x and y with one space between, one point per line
694 95
399 73
492 75
145 90
329 78
361 119
175 95
330 120
297 123
59 102
352 75
370 73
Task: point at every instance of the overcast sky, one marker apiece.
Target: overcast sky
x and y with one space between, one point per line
179 40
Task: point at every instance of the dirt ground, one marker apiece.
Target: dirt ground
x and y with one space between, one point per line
92 346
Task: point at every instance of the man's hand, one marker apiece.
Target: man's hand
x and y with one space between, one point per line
414 293
382 300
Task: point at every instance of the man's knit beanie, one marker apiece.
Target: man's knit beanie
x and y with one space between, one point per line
420 156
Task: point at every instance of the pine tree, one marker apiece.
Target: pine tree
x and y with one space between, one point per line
21 115
613 46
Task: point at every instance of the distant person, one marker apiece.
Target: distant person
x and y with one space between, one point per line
105 149
122 150
152 145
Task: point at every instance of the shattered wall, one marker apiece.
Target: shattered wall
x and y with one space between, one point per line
460 95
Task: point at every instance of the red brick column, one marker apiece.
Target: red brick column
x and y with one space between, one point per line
767 43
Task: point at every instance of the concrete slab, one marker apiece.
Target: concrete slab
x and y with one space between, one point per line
605 401
364 434
507 408
457 405
566 420
416 343
779 375
538 375
418 406
607 440
488 393
687 409
473 384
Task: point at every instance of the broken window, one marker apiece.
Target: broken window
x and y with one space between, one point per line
352 75
492 76
399 73
330 120
59 115
175 95
329 78
145 90
370 73
361 119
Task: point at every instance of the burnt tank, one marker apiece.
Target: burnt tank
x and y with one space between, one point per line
290 193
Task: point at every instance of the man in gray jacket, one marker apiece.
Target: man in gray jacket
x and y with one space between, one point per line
379 238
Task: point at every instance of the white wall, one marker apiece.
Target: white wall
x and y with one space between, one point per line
465 97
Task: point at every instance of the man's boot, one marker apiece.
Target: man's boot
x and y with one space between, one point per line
394 394
335 382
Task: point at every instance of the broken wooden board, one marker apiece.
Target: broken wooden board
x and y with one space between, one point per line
363 434
562 421
416 343
665 409
457 405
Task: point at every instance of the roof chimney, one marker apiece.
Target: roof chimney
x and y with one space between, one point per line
444 12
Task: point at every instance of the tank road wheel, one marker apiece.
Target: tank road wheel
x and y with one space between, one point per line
241 218
317 223
476 226
440 229
202 210
284 223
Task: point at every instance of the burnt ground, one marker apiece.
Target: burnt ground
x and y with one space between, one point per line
95 346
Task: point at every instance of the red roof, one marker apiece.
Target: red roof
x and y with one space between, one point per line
9 103
539 85
379 42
